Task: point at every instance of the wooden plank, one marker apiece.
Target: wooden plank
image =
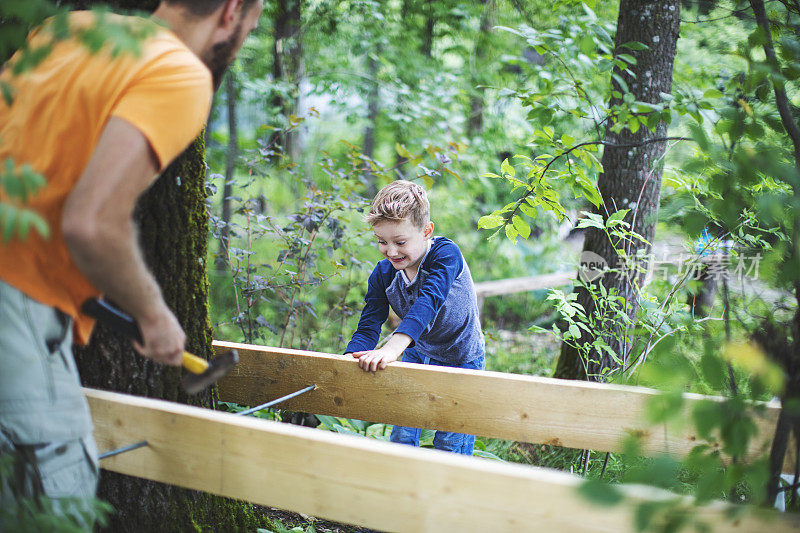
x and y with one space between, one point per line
355 480
573 414
530 283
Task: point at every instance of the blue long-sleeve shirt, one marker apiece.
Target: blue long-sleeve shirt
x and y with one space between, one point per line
438 309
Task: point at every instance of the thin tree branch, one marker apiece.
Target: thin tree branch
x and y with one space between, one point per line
781 100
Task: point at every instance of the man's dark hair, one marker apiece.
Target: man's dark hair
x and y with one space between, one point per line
203 8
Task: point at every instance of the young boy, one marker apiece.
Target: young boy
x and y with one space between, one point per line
428 284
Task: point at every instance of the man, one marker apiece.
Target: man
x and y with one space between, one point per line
99 130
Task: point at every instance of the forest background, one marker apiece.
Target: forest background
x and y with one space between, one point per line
509 113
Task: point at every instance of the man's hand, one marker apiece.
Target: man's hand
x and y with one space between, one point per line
101 237
373 360
164 339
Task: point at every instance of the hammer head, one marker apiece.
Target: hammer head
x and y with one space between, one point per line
217 368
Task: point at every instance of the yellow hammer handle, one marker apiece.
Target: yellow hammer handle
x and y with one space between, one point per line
194 364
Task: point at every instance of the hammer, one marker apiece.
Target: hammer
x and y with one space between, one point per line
201 374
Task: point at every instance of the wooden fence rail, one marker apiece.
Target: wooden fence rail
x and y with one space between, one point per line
573 414
355 480
529 283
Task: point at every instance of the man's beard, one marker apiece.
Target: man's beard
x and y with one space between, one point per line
221 55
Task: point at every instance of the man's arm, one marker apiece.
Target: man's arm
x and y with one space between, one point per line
98 229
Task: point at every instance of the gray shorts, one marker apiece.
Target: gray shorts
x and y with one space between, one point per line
45 423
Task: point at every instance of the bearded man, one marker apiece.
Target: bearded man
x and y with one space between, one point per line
99 128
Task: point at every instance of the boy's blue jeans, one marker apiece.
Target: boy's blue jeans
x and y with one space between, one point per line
442 440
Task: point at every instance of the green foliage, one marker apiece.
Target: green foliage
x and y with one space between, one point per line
62 515
278 264
277 527
564 100
736 173
19 184
266 414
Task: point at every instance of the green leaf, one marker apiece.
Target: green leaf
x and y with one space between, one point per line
528 210
621 83
600 493
664 407
7 221
341 429
402 151
714 370
426 437
616 217
490 221
8 93
591 193
706 416
713 93
635 45
511 233
590 220
327 421
486 455
454 174
629 59
521 226
710 486
574 331
506 168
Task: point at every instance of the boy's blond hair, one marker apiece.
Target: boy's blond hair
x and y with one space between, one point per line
398 201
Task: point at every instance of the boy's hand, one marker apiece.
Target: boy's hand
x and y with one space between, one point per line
373 360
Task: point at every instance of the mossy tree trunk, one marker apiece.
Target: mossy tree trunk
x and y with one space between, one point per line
632 170
173 226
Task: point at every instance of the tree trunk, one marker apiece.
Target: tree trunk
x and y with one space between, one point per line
373 109
408 12
780 341
173 231
631 177
373 103
477 95
430 24
230 167
288 66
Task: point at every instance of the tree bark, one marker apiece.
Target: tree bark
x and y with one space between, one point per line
631 177
430 25
230 167
477 95
373 103
288 66
173 233
373 110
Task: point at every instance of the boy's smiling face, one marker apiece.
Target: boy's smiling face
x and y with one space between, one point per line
403 243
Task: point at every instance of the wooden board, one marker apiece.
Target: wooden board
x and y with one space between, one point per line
531 283
573 414
356 480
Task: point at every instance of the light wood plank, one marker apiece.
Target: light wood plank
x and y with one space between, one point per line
530 283
573 414
355 480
